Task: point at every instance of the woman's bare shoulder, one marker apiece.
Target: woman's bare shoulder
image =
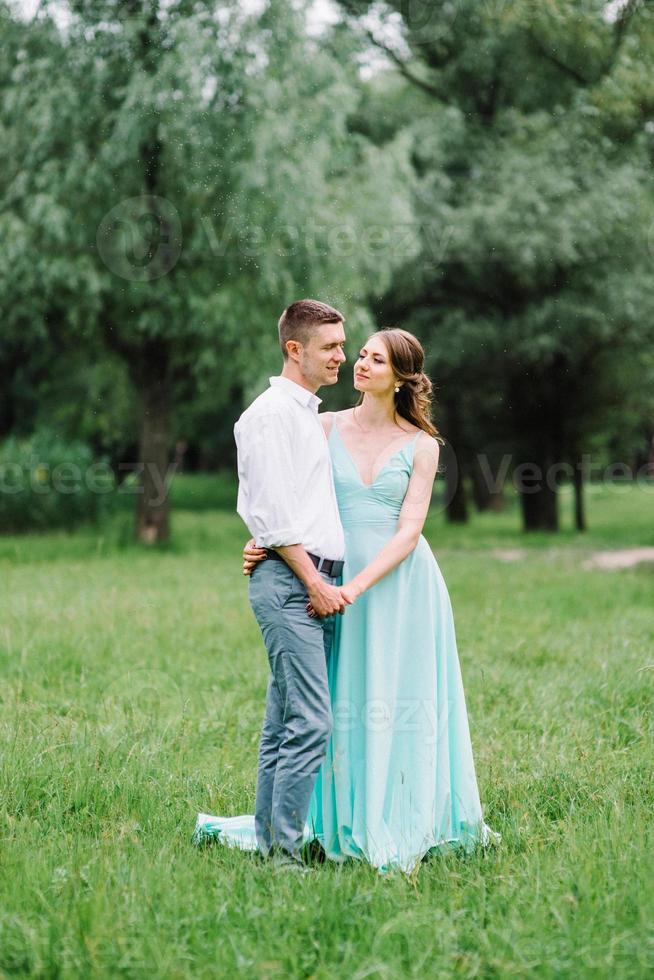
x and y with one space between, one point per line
427 447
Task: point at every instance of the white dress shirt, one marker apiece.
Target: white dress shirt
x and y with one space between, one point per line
286 488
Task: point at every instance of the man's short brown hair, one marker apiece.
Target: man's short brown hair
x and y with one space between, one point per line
299 320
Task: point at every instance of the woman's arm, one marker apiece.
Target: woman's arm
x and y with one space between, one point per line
410 523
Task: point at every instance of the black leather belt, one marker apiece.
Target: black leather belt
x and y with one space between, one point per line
327 565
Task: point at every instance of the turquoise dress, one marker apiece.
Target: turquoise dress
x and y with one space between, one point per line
399 777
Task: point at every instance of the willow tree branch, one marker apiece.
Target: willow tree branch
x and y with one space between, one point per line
403 68
551 56
622 23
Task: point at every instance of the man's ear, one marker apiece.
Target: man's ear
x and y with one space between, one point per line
293 348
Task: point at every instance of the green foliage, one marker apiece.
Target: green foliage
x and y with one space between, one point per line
171 179
46 482
531 131
493 195
238 125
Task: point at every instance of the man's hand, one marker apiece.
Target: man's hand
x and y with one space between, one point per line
325 600
347 597
252 556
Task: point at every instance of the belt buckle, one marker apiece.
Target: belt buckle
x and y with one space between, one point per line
321 564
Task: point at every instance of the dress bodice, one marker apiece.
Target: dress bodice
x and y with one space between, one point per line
377 503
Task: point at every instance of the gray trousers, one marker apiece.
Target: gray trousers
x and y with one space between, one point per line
298 719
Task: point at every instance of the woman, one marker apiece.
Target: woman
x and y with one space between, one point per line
399 776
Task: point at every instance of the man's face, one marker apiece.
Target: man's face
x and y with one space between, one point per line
321 358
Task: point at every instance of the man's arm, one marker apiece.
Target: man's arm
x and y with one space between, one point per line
326 599
266 473
297 559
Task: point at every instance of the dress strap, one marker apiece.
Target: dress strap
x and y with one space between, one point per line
334 438
412 444
332 427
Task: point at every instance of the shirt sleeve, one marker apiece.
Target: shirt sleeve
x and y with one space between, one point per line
268 500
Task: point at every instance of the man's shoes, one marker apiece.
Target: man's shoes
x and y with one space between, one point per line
283 862
314 853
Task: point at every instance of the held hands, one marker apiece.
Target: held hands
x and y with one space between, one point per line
324 599
348 595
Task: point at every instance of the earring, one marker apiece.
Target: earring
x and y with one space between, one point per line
397 388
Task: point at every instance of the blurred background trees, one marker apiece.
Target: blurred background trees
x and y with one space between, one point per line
534 288
480 173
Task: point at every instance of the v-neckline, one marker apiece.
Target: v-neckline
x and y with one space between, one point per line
390 459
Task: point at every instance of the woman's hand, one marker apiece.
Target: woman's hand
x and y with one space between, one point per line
252 556
351 592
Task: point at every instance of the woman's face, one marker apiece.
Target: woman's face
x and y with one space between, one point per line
372 370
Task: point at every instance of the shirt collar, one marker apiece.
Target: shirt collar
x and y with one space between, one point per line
302 395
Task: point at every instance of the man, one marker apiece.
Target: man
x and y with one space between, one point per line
287 499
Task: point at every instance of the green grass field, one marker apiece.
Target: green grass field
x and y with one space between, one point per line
132 687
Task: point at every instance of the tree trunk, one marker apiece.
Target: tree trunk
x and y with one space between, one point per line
538 499
578 484
152 511
480 489
496 501
487 496
538 413
456 503
456 507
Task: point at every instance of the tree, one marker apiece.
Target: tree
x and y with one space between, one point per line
197 175
532 151
46 286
